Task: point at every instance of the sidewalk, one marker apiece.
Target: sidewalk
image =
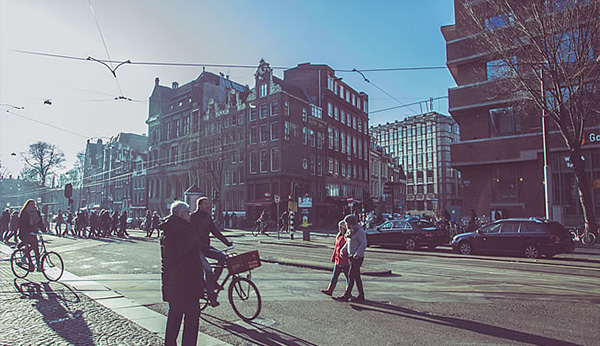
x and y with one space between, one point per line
74 311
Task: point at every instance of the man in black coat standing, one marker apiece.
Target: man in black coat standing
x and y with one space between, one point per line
204 226
182 282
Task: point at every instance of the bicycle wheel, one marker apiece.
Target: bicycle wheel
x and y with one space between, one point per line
52 266
244 298
203 303
256 230
20 264
588 238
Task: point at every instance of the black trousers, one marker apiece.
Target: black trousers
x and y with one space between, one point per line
189 311
354 276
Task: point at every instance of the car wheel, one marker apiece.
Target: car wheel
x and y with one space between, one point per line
465 248
531 251
410 244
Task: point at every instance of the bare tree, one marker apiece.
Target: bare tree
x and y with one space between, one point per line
42 160
548 53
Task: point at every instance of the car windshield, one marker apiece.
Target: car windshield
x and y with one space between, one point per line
558 228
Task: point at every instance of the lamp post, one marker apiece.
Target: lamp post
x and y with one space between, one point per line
547 172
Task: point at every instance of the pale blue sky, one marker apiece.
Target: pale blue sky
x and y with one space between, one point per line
342 34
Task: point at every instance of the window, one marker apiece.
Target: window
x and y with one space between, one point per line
305 136
264 133
263 88
274 108
319 165
336 166
186 125
274 131
336 141
342 116
286 108
240 119
330 109
341 91
264 161
264 110
499 21
571 47
312 138
343 144
330 166
330 83
510 227
498 69
253 113
330 137
253 135
336 113
286 131
504 122
316 112
312 164
275 160
304 115
319 140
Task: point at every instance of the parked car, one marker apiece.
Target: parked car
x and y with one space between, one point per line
410 234
531 238
134 223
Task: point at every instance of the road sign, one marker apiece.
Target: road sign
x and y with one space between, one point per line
267 195
277 199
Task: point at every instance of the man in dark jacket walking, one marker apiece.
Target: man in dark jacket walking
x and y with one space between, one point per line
182 284
204 226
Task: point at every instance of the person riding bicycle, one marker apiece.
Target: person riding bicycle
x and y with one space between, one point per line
204 226
30 221
262 221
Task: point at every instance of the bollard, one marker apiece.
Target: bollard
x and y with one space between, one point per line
291 224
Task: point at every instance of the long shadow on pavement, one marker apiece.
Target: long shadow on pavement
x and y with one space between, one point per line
473 326
52 301
257 334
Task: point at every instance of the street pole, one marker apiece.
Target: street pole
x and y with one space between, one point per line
547 171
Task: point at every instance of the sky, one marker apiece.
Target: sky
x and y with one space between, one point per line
342 34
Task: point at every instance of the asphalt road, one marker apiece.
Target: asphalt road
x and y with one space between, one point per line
430 297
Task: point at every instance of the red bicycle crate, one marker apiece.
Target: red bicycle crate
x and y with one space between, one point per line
243 262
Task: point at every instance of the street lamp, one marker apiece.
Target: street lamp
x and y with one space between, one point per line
547 173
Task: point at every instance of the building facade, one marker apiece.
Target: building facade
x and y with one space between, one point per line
118 168
500 153
387 183
185 126
421 145
307 137
91 191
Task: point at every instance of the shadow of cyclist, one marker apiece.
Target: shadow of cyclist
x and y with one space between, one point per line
52 301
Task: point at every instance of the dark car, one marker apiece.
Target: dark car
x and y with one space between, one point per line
531 238
410 234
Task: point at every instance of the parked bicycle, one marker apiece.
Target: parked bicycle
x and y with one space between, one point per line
21 263
243 294
583 236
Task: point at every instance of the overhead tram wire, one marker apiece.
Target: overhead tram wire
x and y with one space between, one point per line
185 64
380 89
46 124
408 104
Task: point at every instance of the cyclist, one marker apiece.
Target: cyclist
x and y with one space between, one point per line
30 221
262 221
204 226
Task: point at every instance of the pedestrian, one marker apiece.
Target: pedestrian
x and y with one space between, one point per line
94 224
147 222
182 284
123 225
4 221
114 223
30 221
69 224
234 220
356 243
155 223
13 226
226 220
339 259
203 226
59 222
105 223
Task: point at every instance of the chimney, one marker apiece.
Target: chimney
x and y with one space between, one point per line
175 85
156 81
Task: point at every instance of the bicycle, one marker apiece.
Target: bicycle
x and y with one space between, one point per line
242 293
585 237
260 228
21 263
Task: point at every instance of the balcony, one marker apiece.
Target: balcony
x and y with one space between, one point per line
484 94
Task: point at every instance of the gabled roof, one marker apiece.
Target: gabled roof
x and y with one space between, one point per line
285 86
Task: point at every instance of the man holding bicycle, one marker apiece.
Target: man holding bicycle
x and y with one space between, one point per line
204 226
30 221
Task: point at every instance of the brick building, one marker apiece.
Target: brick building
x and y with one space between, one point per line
307 137
500 152
92 174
